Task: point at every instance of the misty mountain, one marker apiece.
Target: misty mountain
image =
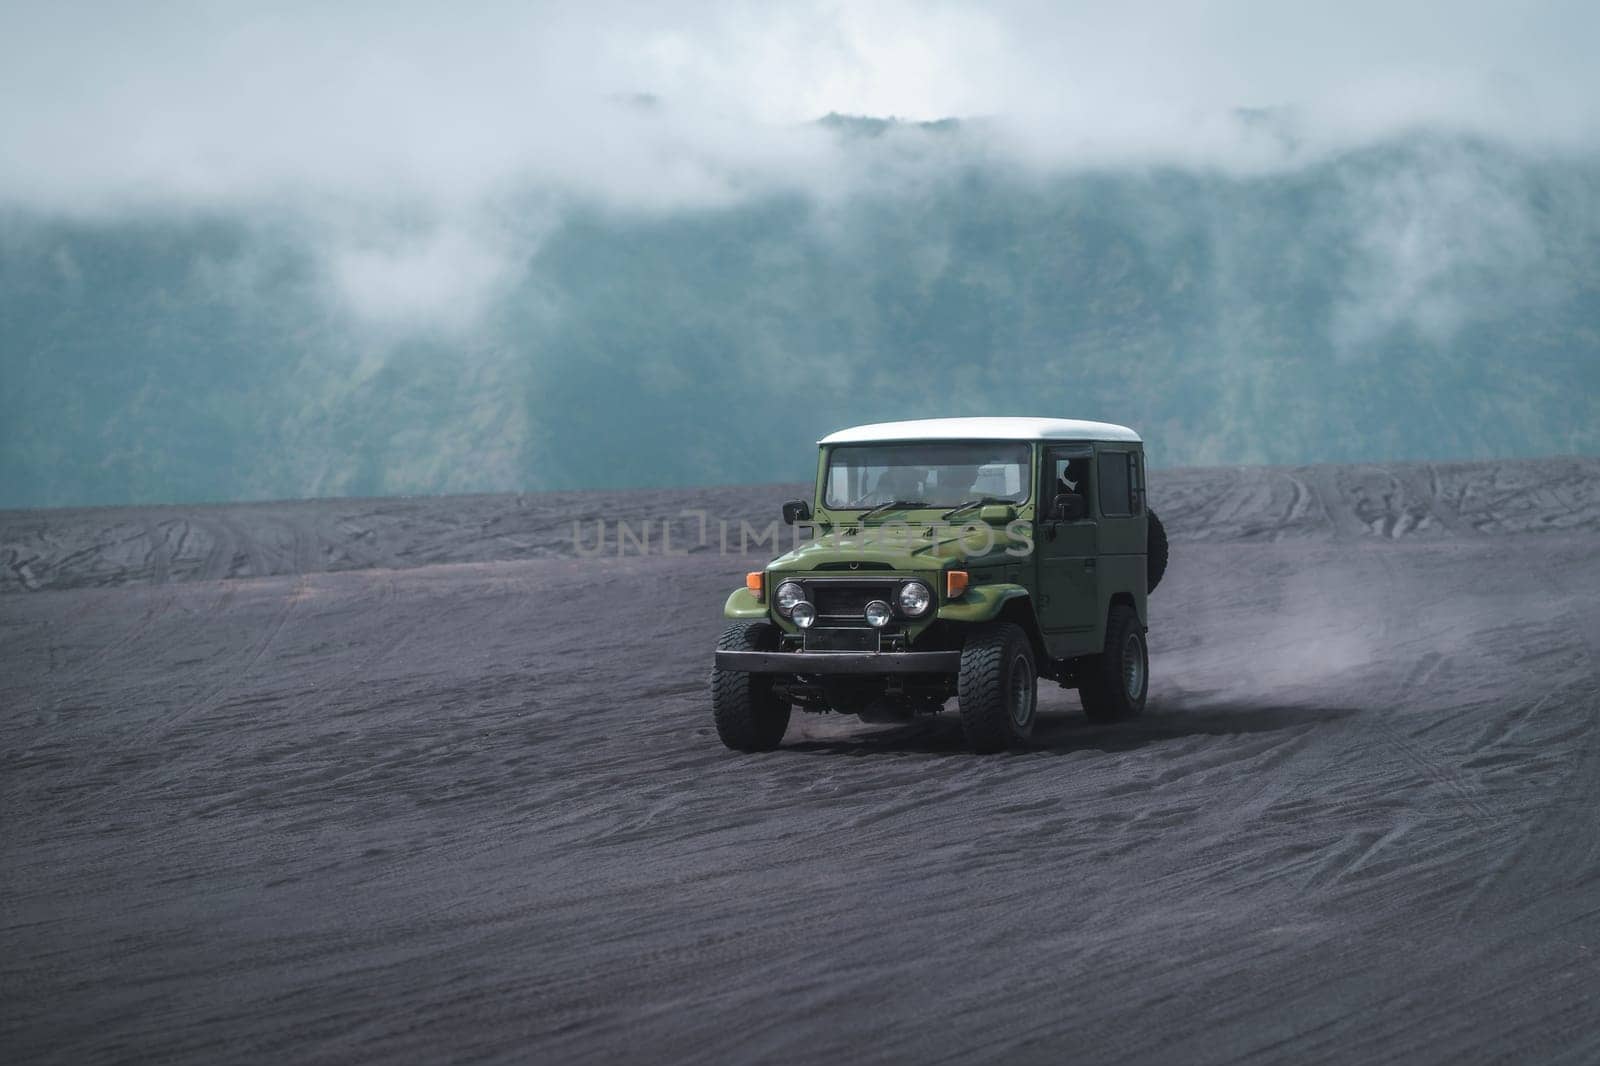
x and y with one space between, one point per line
1435 297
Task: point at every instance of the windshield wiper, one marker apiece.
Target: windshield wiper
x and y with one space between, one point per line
982 501
890 506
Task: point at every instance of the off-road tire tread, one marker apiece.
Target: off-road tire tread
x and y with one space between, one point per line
1155 559
1100 687
748 716
981 689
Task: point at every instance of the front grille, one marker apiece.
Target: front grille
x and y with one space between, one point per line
841 639
846 601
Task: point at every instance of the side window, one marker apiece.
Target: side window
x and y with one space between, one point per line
1068 471
1069 474
1072 475
1116 484
1136 479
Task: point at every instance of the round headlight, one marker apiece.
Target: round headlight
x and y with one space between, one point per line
803 614
788 595
878 614
915 599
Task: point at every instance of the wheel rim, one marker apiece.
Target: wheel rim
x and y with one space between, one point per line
1020 697
1133 666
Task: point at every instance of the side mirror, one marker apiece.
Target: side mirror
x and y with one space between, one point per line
1068 507
796 511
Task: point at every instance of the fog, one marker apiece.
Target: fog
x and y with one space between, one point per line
427 147
196 102
690 104
541 203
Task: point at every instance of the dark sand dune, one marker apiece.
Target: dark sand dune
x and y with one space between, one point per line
154 545
420 784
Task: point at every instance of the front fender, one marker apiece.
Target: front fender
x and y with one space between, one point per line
744 607
981 603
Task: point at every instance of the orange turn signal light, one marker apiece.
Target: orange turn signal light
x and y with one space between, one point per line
955 583
755 581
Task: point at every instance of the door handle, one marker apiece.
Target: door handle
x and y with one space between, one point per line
1088 564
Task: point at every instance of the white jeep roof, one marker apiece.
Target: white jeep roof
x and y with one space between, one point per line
982 429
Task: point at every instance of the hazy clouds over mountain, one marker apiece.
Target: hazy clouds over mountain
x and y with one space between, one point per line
391 248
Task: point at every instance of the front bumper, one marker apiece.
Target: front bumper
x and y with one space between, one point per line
840 662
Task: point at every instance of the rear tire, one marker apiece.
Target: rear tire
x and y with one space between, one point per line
1155 559
1113 685
749 715
998 688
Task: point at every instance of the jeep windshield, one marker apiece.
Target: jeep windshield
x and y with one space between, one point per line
925 475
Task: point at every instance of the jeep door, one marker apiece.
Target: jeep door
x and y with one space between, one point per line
1119 503
1067 551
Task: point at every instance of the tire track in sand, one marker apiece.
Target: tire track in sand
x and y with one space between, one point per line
1361 850
212 698
1323 482
1549 852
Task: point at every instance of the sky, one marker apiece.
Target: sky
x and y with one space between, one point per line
428 147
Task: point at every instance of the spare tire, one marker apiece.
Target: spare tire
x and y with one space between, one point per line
1155 559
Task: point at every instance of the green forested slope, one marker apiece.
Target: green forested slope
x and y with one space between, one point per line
1431 298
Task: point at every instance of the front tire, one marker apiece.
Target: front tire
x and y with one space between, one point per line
998 688
749 715
1114 684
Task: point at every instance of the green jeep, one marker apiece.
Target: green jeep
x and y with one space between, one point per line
953 557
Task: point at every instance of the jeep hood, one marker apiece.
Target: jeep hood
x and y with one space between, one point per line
923 548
